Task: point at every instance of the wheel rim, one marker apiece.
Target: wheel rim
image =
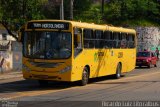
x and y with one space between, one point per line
118 71
118 75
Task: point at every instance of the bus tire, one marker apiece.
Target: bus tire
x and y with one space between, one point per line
85 77
43 82
118 71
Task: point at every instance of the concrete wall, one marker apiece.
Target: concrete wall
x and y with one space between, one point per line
10 52
148 38
12 56
17 55
7 57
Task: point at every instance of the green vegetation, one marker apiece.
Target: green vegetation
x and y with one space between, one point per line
116 12
133 12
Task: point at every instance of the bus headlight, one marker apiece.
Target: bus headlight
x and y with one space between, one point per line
68 68
24 67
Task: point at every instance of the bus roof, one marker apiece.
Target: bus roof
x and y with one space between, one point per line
89 25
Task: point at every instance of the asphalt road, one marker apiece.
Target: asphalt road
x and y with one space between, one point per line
142 84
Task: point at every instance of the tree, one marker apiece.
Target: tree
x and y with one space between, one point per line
81 5
125 10
115 11
87 11
15 10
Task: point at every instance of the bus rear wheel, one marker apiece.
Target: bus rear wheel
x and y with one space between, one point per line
85 77
118 71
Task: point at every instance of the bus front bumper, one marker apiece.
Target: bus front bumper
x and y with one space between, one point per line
33 75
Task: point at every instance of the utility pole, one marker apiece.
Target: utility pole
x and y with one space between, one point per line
61 11
71 9
23 9
102 7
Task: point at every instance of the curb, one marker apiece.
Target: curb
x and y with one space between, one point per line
10 75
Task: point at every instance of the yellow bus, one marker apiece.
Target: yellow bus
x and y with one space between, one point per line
61 50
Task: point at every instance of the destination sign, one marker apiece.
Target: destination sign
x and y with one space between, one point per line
48 25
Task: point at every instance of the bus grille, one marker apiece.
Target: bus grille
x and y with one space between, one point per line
45 64
44 77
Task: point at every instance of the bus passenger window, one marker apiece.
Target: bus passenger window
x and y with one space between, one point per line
115 39
99 39
124 41
107 38
131 41
89 38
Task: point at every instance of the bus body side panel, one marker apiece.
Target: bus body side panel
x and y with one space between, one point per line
87 58
103 62
126 57
129 59
100 63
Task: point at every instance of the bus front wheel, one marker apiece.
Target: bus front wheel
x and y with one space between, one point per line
118 71
85 77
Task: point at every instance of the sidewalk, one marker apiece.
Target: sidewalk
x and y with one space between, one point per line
9 75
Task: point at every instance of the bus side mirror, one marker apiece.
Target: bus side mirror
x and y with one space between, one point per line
20 34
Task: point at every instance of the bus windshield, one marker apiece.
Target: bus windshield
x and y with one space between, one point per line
47 45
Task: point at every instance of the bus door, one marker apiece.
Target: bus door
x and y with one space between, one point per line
77 41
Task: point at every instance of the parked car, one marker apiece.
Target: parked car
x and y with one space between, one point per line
146 58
